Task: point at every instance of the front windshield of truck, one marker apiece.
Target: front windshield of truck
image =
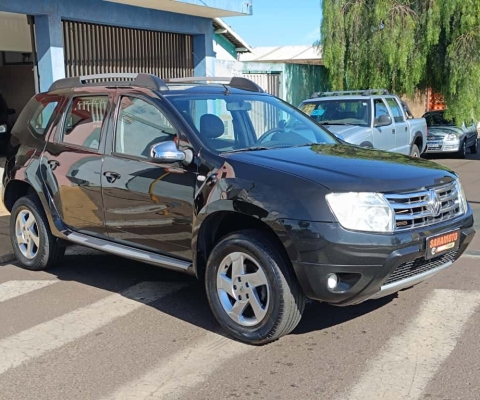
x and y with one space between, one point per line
248 122
339 112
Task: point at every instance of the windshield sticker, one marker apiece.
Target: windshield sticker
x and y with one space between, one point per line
308 108
317 113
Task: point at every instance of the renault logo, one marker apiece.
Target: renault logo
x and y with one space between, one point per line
434 203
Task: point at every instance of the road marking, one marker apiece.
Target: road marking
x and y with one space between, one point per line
11 289
408 361
51 335
182 371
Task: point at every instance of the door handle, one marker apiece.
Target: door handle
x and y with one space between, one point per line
393 131
53 164
406 129
111 176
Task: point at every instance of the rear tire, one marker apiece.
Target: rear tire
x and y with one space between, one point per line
32 241
415 152
252 289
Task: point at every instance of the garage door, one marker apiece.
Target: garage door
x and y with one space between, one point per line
99 49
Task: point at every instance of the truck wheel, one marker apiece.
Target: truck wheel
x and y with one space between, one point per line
462 152
251 288
33 243
415 152
474 147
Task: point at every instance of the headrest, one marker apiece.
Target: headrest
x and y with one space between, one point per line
211 126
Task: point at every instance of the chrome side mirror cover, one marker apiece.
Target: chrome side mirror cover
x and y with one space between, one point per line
166 152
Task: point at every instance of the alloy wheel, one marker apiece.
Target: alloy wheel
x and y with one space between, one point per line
26 232
243 289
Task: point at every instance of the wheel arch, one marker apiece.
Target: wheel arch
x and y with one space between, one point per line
211 229
418 141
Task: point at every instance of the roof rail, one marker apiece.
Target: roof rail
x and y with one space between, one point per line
121 79
235 82
367 92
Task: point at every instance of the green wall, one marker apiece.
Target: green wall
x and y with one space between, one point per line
303 80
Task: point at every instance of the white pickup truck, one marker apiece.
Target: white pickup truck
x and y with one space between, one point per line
369 118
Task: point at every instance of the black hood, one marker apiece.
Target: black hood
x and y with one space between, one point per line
349 168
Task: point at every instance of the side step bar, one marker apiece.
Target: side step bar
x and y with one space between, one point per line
128 252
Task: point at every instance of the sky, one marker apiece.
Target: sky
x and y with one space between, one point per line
279 23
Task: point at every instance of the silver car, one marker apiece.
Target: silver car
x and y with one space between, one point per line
444 136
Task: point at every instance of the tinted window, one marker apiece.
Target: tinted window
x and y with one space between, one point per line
43 115
84 121
396 110
228 122
140 125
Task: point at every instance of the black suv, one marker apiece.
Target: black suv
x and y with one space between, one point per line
225 182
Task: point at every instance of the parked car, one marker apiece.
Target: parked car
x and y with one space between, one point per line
208 180
5 122
369 118
445 136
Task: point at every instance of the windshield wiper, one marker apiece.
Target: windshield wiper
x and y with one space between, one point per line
333 123
257 148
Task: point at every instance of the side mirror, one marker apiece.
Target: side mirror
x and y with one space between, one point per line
166 152
383 120
11 111
282 124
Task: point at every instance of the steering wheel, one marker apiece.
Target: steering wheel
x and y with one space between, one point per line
270 132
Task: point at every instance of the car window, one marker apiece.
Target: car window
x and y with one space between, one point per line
331 112
380 108
43 115
229 122
84 121
140 125
396 109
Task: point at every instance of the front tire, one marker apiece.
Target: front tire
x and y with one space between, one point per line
474 147
251 288
32 241
462 153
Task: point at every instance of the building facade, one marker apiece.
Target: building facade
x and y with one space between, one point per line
45 40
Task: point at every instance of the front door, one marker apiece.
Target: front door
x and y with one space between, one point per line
384 136
402 132
147 205
72 162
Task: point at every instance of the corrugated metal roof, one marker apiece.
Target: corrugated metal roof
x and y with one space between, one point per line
286 54
240 44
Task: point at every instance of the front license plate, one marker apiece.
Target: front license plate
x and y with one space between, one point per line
441 244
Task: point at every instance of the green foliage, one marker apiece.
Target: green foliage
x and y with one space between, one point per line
404 46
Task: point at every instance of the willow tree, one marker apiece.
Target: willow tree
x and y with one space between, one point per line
404 46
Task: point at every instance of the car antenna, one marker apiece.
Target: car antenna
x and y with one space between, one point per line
227 89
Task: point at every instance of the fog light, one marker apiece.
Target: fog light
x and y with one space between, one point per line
332 281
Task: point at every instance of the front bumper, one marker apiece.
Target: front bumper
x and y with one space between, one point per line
368 265
443 146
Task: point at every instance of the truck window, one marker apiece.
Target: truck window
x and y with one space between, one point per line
396 109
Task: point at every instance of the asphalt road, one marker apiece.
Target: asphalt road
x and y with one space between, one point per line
100 327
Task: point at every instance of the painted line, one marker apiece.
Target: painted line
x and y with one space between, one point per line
53 334
471 255
409 361
11 289
182 371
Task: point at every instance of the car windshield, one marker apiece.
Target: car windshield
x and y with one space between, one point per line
438 119
248 122
339 112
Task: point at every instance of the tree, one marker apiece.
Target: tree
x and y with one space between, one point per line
404 46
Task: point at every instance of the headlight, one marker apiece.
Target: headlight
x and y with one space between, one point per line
451 136
3 128
462 199
368 212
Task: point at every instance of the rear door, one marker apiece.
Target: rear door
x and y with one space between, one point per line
72 161
147 205
383 136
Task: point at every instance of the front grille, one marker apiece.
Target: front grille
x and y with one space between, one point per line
418 266
418 209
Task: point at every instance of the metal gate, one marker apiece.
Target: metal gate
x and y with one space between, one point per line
99 49
268 82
